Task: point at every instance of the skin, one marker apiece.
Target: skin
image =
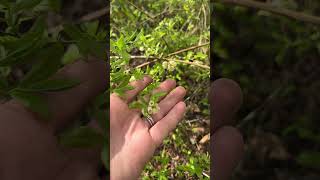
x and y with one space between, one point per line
132 141
28 146
226 141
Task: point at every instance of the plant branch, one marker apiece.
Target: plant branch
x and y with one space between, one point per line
155 59
94 15
141 10
89 17
188 49
274 9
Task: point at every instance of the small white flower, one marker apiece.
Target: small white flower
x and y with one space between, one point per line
165 64
199 62
150 110
155 109
173 63
151 103
127 71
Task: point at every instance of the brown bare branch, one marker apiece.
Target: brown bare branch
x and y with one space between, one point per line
275 10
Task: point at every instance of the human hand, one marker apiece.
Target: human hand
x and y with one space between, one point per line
132 143
29 148
226 141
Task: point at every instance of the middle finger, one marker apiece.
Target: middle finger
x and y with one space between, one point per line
169 102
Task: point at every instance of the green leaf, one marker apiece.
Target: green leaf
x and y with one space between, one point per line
19 55
7 38
47 5
102 99
33 101
29 43
49 64
86 43
71 54
34 34
74 32
55 5
82 137
92 28
136 105
159 95
309 159
93 47
26 4
105 155
101 116
3 86
122 90
50 85
4 4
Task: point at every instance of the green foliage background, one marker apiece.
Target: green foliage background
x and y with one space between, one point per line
32 51
275 60
143 36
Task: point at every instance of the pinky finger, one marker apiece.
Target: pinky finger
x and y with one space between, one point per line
167 124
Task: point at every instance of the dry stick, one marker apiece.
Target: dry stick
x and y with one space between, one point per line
188 49
274 9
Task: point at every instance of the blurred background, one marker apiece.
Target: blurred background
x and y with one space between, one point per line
276 61
39 37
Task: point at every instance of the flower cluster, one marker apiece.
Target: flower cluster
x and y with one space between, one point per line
170 65
152 108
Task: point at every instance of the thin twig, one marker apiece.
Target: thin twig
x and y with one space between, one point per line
141 10
188 62
89 17
163 59
146 63
274 9
94 15
253 113
205 174
188 49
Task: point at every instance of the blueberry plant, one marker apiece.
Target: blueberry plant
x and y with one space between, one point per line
32 50
165 39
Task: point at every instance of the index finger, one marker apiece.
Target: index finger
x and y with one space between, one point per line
138 86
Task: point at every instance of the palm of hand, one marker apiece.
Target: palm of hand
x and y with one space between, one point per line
133 142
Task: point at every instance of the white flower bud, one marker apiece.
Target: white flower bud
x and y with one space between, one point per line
165 64
150 110
151 103
155 109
